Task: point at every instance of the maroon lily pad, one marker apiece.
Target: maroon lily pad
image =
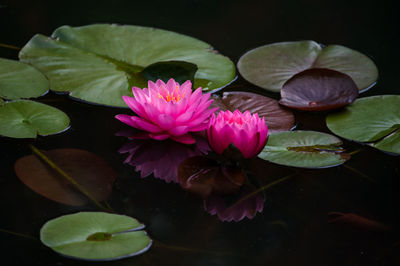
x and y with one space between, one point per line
318 89
89 170
204 177
277 118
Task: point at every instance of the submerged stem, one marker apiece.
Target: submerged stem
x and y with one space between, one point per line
255 192
10 46
359 173
18 234
66 176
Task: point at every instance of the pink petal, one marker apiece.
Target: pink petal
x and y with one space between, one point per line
165 121
134 105
178 131
145 125
126 119
185 139
220 139
159 136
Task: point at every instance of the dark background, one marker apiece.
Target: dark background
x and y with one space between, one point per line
293 228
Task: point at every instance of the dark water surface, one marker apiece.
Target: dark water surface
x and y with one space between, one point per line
293 228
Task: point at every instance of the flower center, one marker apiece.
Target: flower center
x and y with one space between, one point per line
174 96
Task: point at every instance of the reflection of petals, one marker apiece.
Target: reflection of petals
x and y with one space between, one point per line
244 207
161 158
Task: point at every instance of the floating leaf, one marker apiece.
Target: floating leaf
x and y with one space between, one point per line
371 119
27 119
100 63
89 170
308 149
270 66
95 236
277 118
318 89
180 71
19 80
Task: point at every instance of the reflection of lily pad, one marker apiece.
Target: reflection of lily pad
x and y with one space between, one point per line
26 119
277 118
95 236
89 170
100 63
318 89
372 119
270 66
308 149
19 80
204 177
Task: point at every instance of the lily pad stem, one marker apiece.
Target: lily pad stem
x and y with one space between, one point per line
10 46
18 234
269 185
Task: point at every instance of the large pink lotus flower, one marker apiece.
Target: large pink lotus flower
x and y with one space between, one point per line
168 111
245 131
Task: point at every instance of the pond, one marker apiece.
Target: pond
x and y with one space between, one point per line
342 215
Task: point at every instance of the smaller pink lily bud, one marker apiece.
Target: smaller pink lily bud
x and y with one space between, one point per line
245 131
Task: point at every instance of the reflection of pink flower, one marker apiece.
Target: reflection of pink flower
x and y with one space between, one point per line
247 132
247 206
168 110
161 158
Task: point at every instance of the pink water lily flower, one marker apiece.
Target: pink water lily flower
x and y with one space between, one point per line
246 131
168 111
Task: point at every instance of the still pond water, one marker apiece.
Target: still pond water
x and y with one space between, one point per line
295 226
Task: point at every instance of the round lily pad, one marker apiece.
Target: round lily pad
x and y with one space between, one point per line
27 119
373 119
19 80
318 89
96 236
277 117
87 169
307 149
270 66
99 63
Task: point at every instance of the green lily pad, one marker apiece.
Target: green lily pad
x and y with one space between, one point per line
270 66
99 63
373 119
27 119
96 236
307 149
19 80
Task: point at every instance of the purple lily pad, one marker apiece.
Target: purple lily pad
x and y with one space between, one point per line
318 89
277 117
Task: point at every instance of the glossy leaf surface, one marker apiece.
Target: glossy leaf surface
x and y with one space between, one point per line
318 89
372 119
307 149
99 63
95 236
19 80
27 119
270 66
